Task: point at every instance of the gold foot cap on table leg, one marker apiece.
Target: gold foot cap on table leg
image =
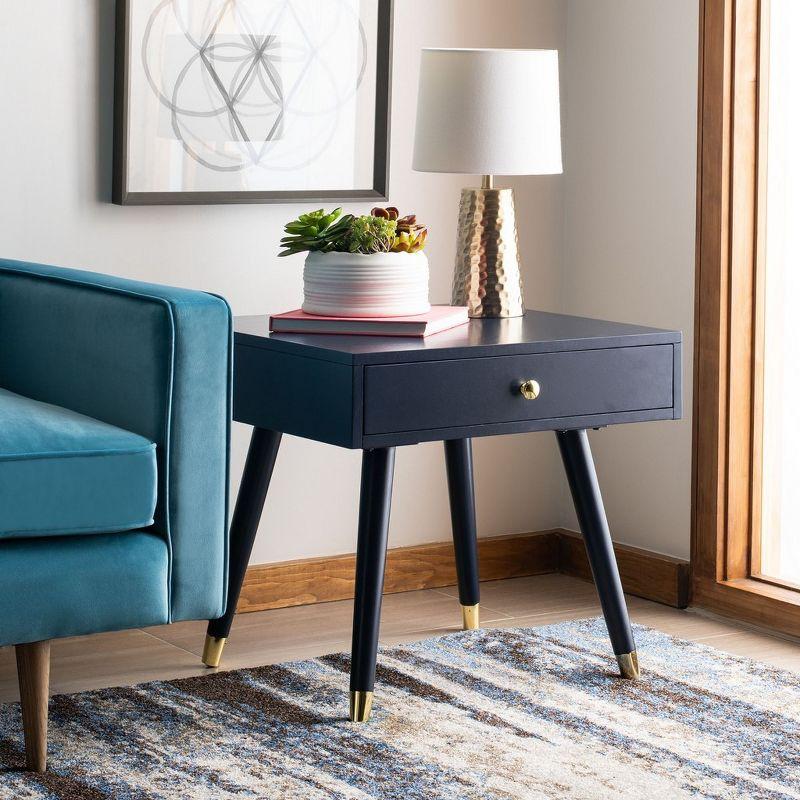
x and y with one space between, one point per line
629 665
471 616
360 706
212 652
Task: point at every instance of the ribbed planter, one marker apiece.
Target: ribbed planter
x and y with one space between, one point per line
355 285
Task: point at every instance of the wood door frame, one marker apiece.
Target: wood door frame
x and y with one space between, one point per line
727 396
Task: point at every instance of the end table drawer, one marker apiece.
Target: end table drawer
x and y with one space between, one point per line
478 391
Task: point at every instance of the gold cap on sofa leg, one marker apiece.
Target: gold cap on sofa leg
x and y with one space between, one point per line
471 616
360 706
212 652
629 665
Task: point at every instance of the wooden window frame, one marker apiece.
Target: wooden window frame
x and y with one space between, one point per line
728 308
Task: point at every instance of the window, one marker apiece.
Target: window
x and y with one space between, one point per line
776 554
746 523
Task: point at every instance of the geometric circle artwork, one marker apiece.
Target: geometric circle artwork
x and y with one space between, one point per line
253 84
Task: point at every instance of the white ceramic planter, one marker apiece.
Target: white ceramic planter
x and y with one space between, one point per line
355 285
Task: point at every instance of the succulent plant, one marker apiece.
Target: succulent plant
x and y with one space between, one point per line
369 234
410 236
316 231
382 231
390 212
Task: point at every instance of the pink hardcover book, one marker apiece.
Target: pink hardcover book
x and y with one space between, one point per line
439 318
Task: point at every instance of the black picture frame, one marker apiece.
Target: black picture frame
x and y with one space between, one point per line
379 190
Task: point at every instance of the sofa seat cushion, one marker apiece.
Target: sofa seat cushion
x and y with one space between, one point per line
75 585
62 473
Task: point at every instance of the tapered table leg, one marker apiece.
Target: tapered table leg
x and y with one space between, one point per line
377 470
33 672
458 458
582 477
257 474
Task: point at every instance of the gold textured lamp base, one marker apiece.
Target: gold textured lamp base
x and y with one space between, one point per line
471 617
360 706
629 665
487 274
212 651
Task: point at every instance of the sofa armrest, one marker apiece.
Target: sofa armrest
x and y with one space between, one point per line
151 359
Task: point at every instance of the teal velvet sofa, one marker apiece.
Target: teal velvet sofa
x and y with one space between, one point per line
115 409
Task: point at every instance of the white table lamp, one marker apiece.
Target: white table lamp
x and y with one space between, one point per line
488 112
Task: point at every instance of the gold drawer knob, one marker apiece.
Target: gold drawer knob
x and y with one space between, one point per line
530 389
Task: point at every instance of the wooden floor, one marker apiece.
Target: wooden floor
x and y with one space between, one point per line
115 659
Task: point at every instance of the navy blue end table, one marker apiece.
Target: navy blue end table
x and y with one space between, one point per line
533 373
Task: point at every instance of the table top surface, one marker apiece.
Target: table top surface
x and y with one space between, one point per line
535 332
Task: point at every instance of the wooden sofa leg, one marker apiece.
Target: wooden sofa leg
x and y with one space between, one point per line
33 672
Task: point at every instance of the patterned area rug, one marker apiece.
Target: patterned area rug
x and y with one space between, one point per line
519 713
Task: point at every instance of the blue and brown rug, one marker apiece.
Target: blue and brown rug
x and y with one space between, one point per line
518 714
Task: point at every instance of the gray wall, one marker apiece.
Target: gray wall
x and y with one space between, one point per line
629 220
56 58
613 237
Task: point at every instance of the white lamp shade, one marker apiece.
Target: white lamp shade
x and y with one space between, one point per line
488 112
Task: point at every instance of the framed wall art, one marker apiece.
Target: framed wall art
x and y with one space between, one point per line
251 101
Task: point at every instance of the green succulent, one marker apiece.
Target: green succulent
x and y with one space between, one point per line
318 231
370 234
382 231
